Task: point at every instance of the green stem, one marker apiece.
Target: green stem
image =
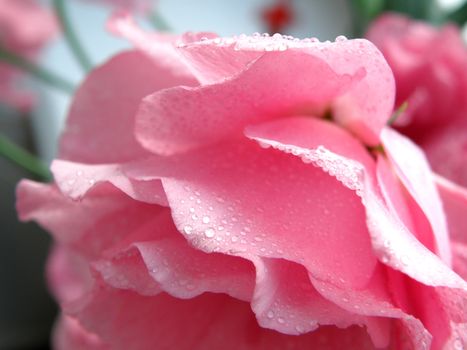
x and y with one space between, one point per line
36 71
23 158
158 22
402 108
71 37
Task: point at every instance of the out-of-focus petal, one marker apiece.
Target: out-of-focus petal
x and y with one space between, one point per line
69 334
99 126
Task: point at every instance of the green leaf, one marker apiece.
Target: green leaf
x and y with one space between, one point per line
364 11
23 158
458 16
402 108
36 71
419 9
369 8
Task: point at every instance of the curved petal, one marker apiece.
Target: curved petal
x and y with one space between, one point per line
235 192
157 252
159 47
392 242
69 334
307 78
363 115
285 300
209 321
76 179
178 119
68 274
410 164
91 224
110 96
454 200
376 303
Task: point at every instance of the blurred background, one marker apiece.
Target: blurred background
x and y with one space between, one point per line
26 310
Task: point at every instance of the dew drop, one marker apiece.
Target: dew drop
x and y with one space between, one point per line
341 38
385 259
280 320
404 260
270 314
209 233
299 329
206 219
458 345
188 229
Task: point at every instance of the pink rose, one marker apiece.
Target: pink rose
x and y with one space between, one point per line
236 196
25 28
137 6
429 65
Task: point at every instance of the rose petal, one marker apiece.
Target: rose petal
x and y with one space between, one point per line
446 149
392 242
69 334
286 301
375 301
158 252
105 210
413 170
157 322
68 274
356 110
454 200
393 193
159 47
231 220
307 80
75 180
101 118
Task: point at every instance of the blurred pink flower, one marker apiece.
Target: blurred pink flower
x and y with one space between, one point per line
228 193
430 67
25 27
136 6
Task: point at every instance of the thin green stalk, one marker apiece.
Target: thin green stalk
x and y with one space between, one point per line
71 37
397 113
23 158
158 22
36 71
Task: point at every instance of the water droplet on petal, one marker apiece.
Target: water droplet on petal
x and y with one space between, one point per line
209 233
341 38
